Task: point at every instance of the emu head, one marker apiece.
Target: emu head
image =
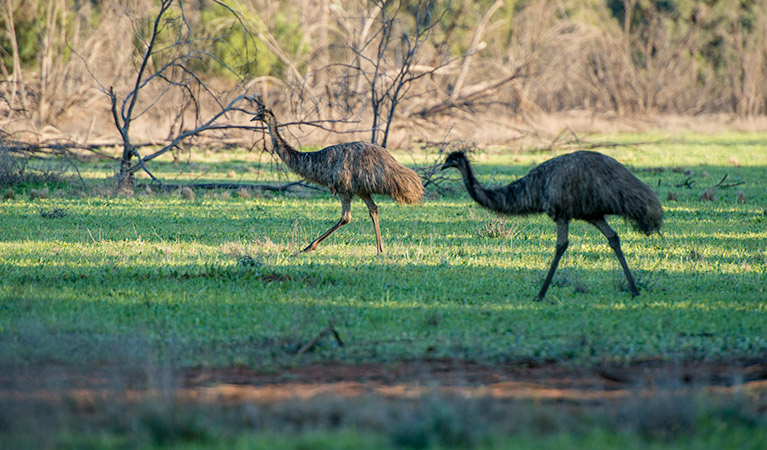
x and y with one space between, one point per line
455 159
262 113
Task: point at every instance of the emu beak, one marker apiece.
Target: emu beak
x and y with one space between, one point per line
254 119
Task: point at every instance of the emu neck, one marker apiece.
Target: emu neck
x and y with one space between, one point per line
485 197
287 153
511 199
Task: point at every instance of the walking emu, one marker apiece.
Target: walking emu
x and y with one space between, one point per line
354 168
582 185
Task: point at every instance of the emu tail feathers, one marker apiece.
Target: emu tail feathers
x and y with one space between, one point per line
405 186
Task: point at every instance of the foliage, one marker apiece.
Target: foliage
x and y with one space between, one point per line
234 46
28 42
719 40
238 49
625 56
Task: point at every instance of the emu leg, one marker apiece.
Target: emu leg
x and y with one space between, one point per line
373 208
562 242
615 243
346 217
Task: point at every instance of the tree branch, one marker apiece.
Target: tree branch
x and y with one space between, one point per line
206 126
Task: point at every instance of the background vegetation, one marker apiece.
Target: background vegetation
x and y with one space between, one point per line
511 58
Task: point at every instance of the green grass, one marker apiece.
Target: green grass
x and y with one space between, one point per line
217 281
745 438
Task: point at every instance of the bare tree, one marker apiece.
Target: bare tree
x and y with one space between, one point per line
167 69
386 57
475 46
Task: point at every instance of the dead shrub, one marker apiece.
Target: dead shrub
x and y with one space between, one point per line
244 193
187 193
23 163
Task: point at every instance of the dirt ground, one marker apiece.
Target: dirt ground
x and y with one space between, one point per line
405 379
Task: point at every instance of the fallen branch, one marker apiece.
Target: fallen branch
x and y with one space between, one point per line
309 345
22 151
710 193
231 186
721 185
687 183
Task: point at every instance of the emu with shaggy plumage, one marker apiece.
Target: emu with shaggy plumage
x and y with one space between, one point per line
354 168
582 185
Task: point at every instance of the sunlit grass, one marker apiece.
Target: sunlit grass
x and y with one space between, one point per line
220 280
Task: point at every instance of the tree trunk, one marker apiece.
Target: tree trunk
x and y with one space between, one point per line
124 178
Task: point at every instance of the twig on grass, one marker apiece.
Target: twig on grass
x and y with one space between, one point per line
309 345
710 193
687 183
725 186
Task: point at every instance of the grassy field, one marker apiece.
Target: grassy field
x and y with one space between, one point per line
216 281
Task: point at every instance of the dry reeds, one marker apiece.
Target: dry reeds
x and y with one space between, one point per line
538 56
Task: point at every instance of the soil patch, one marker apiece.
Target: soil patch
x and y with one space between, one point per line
404 379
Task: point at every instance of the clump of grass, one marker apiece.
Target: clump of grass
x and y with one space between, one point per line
498 227
563 277
660 416
694 255
434 318
244 193
41 193
438 422
645 281
187 193
249 261
709 195
54 213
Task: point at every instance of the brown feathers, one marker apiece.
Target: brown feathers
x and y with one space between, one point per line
360 168
352 169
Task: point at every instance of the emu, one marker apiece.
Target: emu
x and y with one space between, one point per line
354 168
582 185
